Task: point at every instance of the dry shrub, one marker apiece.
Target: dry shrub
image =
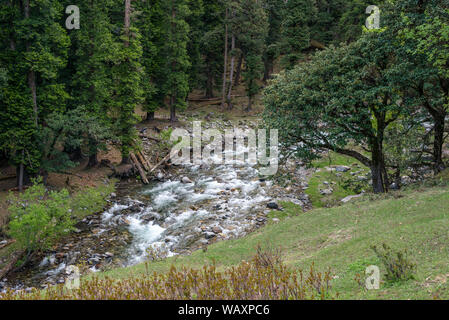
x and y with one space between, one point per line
265 277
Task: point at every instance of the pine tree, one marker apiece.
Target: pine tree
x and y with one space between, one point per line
33 48
296 30
127 74
175 79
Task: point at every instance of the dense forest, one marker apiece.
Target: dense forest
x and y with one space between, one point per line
71 78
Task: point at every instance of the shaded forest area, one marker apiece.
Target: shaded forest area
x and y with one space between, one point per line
65 91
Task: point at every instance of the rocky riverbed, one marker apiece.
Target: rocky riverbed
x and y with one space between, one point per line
186 209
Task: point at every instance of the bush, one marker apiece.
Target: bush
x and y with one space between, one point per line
397 263
39 217
251 280
90 200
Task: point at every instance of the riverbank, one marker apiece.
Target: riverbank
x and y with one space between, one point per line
340 238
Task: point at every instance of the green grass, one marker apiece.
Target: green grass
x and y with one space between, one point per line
340 238
342 183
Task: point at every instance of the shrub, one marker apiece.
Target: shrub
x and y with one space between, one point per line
251 280
90 200
398 265
39 217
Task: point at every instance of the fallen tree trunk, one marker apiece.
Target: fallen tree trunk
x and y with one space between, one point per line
8 177
160 163
139 168
148 163
142 160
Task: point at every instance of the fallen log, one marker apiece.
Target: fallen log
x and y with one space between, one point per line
8 177
142 160
139 168
160 163
146 160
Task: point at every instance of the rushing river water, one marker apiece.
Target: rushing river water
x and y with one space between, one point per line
193 207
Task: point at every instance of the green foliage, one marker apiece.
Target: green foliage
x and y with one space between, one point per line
67 132
39 217
174 73
90 200
397 263
342 95
296 30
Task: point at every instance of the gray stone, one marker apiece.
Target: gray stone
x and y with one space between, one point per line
186 180
326 192
342 168
209 235
349 198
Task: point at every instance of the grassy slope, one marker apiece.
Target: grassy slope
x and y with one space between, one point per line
343 183
340 238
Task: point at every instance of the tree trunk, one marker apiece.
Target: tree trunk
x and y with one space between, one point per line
150 115
250 104
23 178
268 69
20 175
231 76
172 109
239 70
31 74
210 83
93 161
127 21
377 168
438 143
225 67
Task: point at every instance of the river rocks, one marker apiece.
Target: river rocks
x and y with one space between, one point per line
135 208
273 206
209 235
216 229
342 168
186 180
326 192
